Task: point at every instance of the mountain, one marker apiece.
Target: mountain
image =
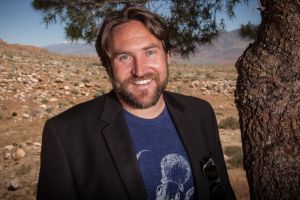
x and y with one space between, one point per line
226 49
73 49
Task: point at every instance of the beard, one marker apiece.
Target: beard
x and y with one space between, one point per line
136 100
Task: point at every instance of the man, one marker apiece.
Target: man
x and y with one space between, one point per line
138 141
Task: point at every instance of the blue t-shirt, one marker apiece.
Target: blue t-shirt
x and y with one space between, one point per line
162 158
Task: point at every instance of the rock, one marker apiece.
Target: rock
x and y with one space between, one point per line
59 80
7 155
81 85
66 87
14 184
53 99
25 115
37 144
20 153
195 84
88 85
43 106
22 145
8 147
34 80
7 151
226 158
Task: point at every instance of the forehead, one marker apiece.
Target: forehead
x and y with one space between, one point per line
132 33
130 27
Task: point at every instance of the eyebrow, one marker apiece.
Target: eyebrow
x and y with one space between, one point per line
150 46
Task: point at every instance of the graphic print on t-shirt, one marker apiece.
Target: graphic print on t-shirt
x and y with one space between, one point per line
172 185
163 161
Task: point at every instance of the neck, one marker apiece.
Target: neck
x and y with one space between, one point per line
148 113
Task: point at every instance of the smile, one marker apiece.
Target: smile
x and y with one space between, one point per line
143 82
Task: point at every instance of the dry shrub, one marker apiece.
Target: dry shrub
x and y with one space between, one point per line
229 123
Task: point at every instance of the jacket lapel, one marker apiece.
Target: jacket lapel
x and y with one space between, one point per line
192 139
120 146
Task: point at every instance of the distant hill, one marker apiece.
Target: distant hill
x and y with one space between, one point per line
73 49
226 49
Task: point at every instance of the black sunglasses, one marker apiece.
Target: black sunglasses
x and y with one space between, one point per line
210 172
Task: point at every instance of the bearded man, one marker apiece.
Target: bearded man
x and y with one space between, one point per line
138 141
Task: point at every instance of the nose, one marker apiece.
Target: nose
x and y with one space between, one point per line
139 67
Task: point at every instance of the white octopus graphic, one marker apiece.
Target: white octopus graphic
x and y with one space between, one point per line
171 166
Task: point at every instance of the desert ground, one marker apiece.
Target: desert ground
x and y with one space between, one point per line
36 85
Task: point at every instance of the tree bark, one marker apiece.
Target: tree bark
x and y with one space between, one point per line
268 100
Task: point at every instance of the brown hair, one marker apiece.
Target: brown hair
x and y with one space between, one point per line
151 21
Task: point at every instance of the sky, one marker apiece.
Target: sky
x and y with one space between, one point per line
20 23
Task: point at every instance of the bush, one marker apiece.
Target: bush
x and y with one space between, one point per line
24 169
235 154
229 123
14 114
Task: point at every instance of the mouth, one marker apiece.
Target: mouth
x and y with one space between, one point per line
142 82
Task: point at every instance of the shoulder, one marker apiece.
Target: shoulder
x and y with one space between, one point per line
80 112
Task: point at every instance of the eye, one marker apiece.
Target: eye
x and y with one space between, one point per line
150 52
124 58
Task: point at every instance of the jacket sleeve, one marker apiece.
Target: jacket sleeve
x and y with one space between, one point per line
55 178
219 159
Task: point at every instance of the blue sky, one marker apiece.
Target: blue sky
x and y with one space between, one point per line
19 23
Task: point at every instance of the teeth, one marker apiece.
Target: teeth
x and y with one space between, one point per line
143 82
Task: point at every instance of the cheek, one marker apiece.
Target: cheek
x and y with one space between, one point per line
160 64
120 72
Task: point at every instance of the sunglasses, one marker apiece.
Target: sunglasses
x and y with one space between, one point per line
210 172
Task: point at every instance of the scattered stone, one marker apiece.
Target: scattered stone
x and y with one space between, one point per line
25 115
43 106
37 144
226 158
34 80
14 184
81 85
20 153
8 147
53 99
7 155
66 87
59 80
88 85
195 84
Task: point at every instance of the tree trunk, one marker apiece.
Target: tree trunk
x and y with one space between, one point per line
268 101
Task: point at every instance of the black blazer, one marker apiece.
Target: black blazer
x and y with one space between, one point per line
87 151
